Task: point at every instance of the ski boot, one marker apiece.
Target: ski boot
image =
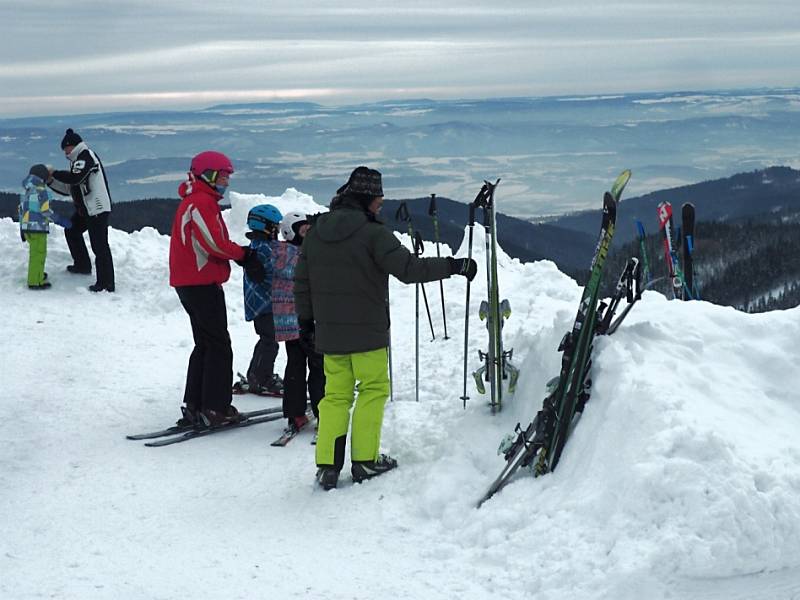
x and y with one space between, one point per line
189 417
217 418
327 477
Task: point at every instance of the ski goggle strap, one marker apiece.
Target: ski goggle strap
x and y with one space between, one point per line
211 175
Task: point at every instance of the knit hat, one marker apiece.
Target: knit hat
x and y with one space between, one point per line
363 182
40 171
70 139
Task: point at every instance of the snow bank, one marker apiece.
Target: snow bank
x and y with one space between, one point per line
682 479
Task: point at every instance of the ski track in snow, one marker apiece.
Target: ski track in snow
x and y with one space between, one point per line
681 480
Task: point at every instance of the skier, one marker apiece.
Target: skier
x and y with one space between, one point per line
199 251
35 216
86 182
264 222
341 290
300 351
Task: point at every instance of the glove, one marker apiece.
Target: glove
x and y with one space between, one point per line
64 222
307 330
254 269
242 261
463 266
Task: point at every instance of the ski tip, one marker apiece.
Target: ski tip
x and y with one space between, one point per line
620 183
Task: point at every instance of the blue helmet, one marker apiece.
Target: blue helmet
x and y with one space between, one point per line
263 216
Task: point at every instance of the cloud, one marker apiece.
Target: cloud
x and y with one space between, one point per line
92 56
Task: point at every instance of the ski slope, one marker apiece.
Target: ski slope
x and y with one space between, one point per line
682 479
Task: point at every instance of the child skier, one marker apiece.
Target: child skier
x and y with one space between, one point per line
34 223
299 351
263 221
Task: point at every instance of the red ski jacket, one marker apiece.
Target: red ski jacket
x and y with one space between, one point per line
199 247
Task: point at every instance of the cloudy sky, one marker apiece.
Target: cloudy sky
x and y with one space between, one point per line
61 57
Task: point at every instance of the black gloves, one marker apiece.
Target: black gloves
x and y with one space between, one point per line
463 266
252 266
307 332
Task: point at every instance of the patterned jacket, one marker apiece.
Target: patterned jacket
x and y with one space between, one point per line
35 214
258 296
284 260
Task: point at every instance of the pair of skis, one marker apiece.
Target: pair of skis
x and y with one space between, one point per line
681 274
497 366
540 444
177 434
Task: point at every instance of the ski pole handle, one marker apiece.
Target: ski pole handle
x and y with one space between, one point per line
402 213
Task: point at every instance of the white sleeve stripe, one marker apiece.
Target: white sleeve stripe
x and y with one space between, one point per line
201 225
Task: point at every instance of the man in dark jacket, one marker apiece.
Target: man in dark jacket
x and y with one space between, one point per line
341 292
87 184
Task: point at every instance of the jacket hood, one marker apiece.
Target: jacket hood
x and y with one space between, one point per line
197 186
340 224
72 156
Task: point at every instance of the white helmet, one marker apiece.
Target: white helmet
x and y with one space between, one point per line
287 224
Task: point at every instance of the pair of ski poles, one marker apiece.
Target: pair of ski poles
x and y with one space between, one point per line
418 248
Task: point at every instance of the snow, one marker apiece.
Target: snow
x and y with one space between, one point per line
681 480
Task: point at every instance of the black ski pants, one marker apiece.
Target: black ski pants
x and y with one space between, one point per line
98 238
208 379
262 365
298 355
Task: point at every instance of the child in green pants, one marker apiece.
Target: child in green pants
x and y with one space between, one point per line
34 223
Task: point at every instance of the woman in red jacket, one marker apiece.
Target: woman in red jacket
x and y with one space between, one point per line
199 255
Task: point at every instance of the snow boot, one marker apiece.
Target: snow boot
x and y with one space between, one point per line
362 470
42 286
327 477
101 288
273 386
76 270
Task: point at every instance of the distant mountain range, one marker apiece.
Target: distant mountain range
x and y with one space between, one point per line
748 233
554 155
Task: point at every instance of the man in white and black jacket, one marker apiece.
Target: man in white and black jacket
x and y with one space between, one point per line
87 184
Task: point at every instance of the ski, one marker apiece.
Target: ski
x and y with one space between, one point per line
204 431
497 366
664 211
243 387
184 428
540 445
288 434
687 221
627 286
643 251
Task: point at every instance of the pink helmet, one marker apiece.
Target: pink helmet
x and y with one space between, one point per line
210 161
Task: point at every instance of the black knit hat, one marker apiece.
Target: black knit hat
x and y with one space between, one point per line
70 139
40 171
363 182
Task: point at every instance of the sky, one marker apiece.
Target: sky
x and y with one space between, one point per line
67 57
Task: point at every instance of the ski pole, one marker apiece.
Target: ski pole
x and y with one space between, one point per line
391 371
418 250
464 396
434 213
402 214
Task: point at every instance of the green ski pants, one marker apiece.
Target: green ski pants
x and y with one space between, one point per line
37 242
342 371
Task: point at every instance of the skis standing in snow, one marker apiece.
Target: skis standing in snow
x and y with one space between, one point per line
350 322
540 445
497 366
